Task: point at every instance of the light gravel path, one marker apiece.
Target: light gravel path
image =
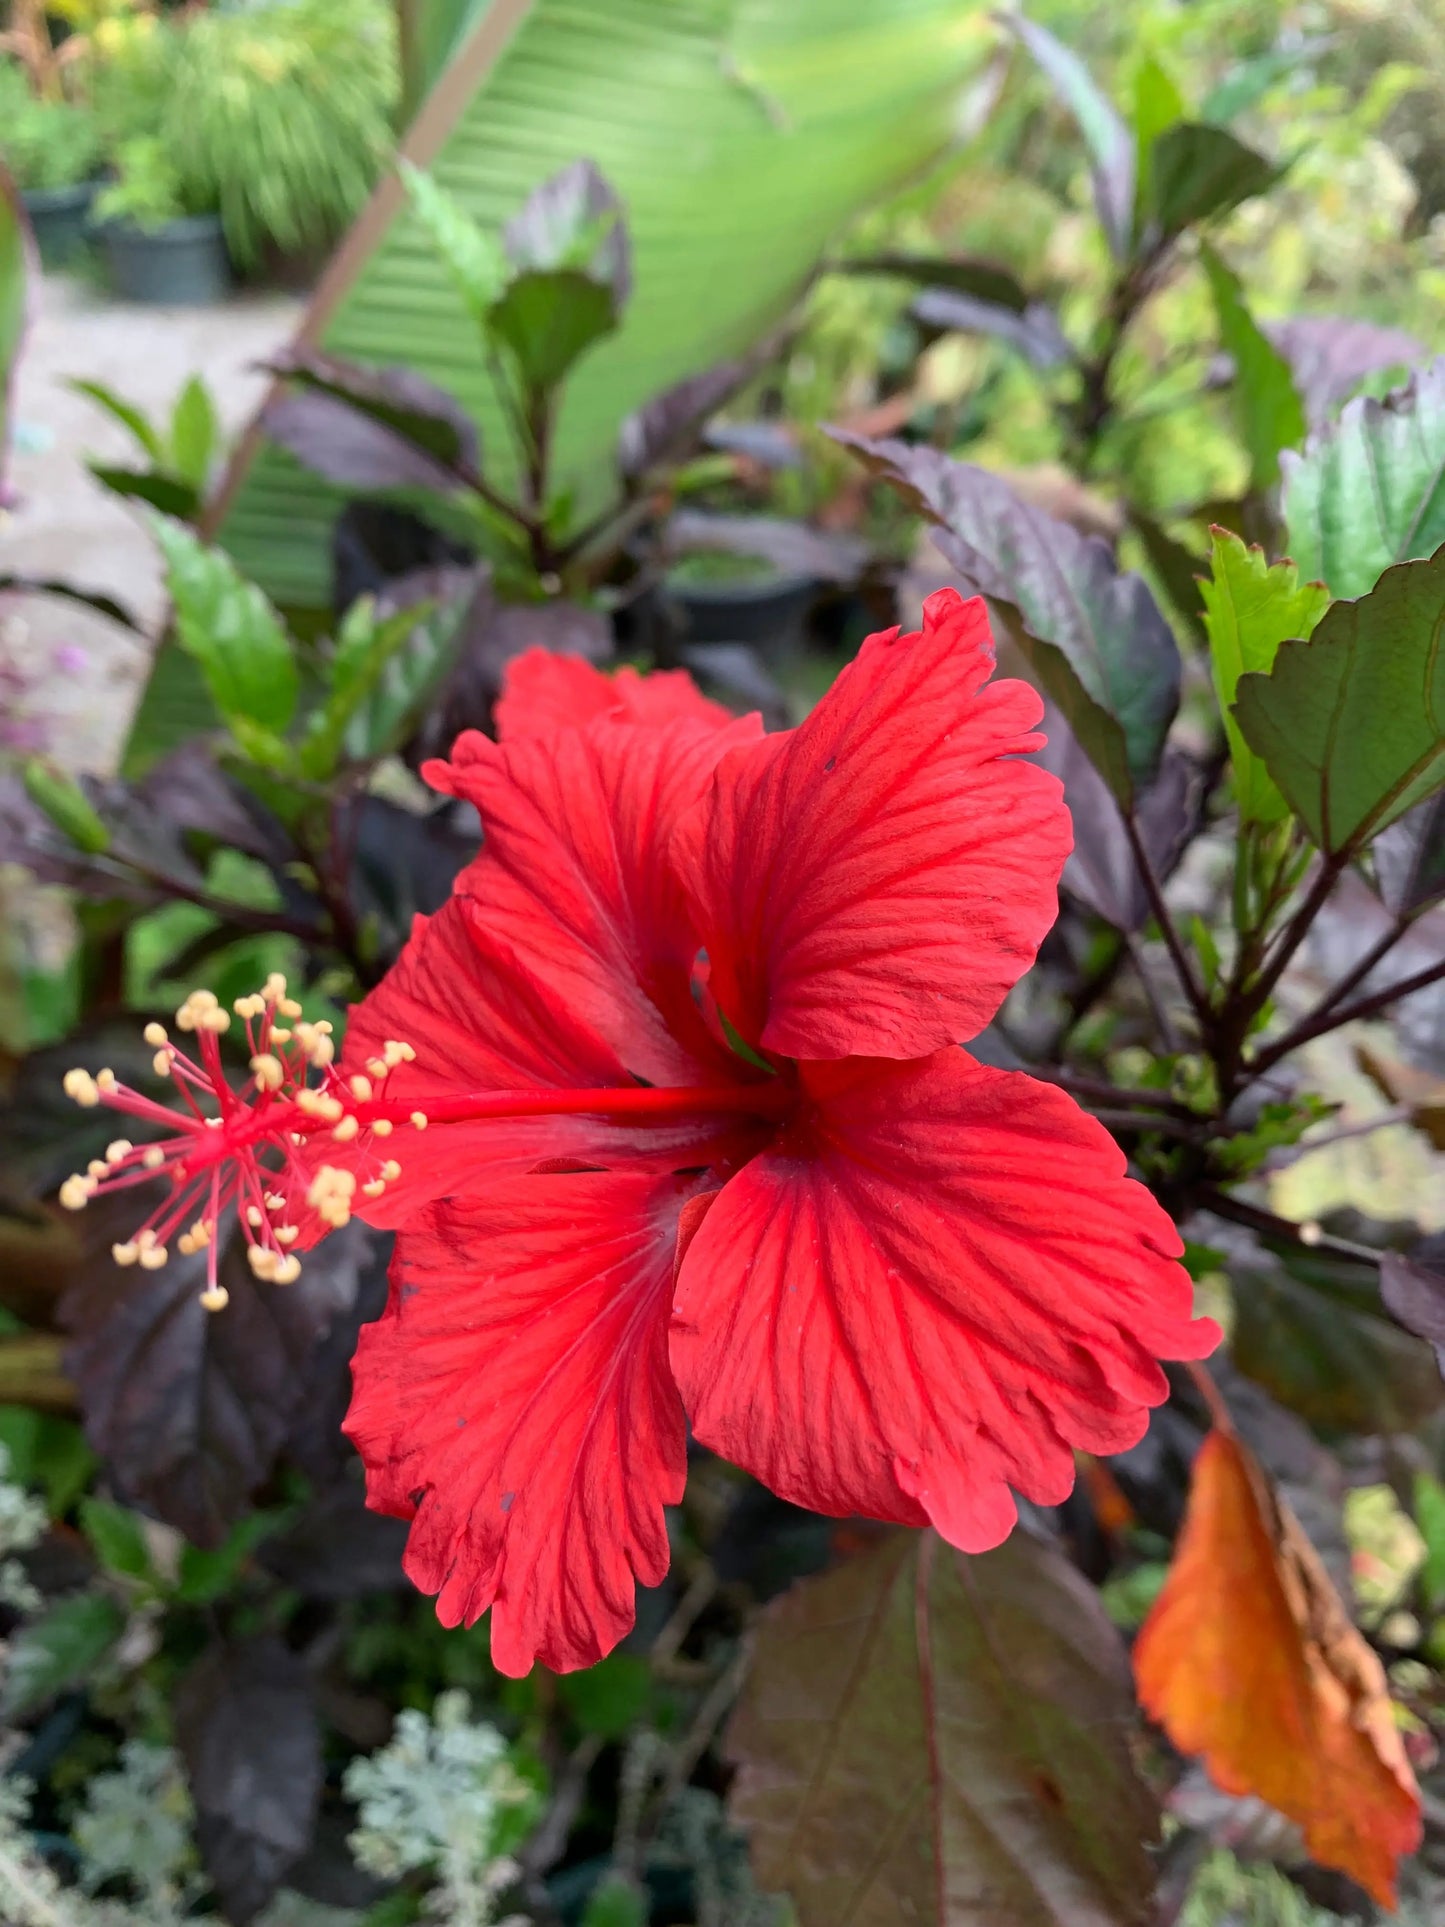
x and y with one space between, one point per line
63 523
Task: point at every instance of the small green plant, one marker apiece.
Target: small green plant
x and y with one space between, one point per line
46 144
148 191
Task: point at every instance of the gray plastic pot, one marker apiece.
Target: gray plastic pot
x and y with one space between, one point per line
182 265
768 614
60 217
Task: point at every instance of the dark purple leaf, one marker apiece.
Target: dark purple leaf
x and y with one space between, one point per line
190 1408
739 676
1330 355
791 547
1109 141
403 863
668 424
942 1740
1035 332
316 1442
1101 871
376 545
145 861
1413 1290
338 1549
247 1731
492 633
334 441
574 220
1410 858
1094 636
1178 568
168 493
768 444
189 788
984 280
400 399
1197 171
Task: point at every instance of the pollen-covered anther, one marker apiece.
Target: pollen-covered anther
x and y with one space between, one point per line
202 1011
360 1088
274 988
396 1053
274 1201
373 1188
317 1104
97 1168
289 1009
378 1066
154 1158
153 1253
81 1088
161 1063
419 1120
253 1216
105 1083
391 1171
287 1234
196 1239
383 1127
76 1192
346 1130
250 1007
127 1253
317 1045
287 1271
118 1149
215 1298
268 1071
330 1195
155 1034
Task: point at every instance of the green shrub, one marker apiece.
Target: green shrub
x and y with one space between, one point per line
46 143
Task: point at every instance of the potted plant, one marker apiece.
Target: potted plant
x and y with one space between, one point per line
52 149
160 246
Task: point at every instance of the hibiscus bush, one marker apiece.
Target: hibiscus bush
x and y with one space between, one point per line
804 1289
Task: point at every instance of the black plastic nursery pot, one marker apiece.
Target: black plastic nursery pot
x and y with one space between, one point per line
60 218
768 613
182 265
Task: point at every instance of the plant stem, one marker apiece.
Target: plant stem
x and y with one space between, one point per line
1173 942
1326 1020
1308 1237
1213 1398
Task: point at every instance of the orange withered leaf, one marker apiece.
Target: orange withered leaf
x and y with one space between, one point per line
1250 1660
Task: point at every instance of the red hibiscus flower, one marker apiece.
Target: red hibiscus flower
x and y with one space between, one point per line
760 1188
669 1108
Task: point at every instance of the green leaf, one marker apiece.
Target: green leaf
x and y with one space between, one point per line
388 707
977 1712
67 806
548 318
194 434
118 1537
1268 410
1430 1518
609 1698
1105 135
742 141
1197 172
130 418
1370 491
155 486
1096 638
59 1650
204 1575
1158 104
472 257
1351 722
18 266
365 645
1249 610
616 1902
227 625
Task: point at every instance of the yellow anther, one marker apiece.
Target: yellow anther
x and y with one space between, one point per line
154 1158
378 1066
280 1034
125 1254
253 1216
251 1006
215 1298
397 1053
325 1026
322 1053
154 1034
153 1257
289 1007
346 1130
374 1189
418 1118
287 1271
161 1063
105 1082
201 1233
391 1170
146 1240
275 1201
119 1148
268 1071
82 1088
97 1168
331 1193
262 1260
75 1193
360 1088
383 1127
287 1234
274 988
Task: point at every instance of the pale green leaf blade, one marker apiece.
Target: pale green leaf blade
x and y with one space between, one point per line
229 628
1269 411
1370 491
1351 722
194 434
1249 610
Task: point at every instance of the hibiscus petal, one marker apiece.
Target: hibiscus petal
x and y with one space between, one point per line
874 882
479 1020
932 1288
542 692
515 1401
573 875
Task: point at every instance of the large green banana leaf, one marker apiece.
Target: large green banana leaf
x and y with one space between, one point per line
741 136
430 32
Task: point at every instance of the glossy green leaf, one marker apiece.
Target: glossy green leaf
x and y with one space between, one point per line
205 1574
118 1537
1370 491
131 418
471 256
365 644
1096 638
1197 172
195 433
741 137
67 806
155 487
549 318
59 1650
609 1698
932 1740
1249 610
226 624
1351 722
1267 408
